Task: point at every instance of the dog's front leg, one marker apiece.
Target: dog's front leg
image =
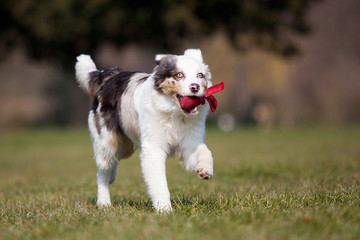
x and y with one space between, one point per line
197 157
154 172
205 162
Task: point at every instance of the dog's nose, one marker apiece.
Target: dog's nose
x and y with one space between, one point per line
194 87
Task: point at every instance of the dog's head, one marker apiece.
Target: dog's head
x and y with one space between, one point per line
185 75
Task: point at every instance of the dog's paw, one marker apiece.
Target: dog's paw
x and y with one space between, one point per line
163 207
204 173
103 205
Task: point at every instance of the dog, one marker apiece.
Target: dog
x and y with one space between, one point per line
136 110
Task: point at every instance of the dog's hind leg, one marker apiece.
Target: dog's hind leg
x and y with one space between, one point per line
109 148
107 155
107 160
104 177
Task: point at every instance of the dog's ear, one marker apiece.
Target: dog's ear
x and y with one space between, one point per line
160 58
194 53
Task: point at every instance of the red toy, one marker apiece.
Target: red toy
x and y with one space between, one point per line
192 101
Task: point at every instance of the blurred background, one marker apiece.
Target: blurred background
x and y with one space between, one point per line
284 62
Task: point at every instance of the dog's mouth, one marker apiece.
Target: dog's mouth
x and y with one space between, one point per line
192 110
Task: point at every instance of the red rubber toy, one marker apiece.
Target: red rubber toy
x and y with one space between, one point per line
188 102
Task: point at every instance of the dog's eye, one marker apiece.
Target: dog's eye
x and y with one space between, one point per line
200 75
180 75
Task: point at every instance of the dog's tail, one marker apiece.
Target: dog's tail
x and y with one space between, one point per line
87 74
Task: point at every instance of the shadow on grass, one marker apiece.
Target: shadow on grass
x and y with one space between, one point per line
134 204
178 202
125 203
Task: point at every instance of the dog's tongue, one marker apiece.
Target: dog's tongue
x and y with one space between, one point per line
190 102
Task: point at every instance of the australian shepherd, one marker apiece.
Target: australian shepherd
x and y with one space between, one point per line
133 110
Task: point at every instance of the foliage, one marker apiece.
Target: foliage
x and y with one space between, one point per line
284 184
60 29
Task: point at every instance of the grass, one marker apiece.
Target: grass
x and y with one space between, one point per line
302 183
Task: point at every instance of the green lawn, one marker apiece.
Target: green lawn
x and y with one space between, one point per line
302 183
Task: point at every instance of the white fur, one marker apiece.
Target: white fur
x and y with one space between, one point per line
194 53
158 57
155 123
107 159
163 131
83 66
